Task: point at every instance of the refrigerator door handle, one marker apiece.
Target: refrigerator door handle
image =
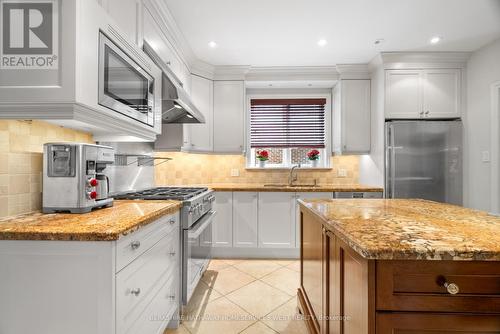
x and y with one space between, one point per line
390 162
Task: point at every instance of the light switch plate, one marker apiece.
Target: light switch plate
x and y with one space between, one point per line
341 172
235 172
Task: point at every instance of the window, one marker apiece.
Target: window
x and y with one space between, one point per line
287 129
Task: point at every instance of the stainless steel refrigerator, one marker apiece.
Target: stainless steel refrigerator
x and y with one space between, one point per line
424 160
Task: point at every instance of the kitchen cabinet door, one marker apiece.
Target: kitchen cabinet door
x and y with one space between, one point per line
222 228
276 220
128 16
229 111
348 288
245 211
403 94
200 135
306 195
442 93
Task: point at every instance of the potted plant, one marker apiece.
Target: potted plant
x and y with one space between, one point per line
263 156
313 156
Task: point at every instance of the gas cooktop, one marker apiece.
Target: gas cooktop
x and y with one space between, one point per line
174 193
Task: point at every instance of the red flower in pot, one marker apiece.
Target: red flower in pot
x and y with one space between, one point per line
313 155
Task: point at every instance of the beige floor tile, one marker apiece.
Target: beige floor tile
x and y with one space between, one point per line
232 262
284 279
220 316
202 295
284 262
226 280
180 330
258 328
258 298
218 264
257 268
294 266
286 319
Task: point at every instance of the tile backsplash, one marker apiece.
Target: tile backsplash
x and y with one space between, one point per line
21 150
186 168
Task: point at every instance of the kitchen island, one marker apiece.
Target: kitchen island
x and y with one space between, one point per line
398 266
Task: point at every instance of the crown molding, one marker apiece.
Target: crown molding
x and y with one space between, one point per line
231 72
292 73
353 71
395 60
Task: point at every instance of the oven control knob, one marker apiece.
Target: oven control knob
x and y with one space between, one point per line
92 182
92 195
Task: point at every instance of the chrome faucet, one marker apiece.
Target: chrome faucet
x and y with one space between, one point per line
292 177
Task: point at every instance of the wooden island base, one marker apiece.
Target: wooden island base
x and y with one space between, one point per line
360 295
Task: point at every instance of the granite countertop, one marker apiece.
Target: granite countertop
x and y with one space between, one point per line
105 224
412 229
278 187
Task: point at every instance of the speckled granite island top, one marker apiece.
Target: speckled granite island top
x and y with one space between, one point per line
106 224
410 229
260 187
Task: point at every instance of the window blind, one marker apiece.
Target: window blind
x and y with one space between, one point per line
287 123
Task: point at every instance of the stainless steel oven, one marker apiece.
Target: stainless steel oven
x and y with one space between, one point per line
197 253
124 85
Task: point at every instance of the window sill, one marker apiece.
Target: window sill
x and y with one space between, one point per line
288 168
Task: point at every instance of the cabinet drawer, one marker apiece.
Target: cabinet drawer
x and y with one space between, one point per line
159 311
433 323
131 246
138 284
419 286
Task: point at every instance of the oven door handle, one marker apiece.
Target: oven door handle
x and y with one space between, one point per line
202 224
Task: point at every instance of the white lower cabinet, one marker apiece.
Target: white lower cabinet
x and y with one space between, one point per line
126 286
245 219
276 220
222 228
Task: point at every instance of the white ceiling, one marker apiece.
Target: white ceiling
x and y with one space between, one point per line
285 32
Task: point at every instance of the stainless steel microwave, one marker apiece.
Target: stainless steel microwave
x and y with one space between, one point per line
124 85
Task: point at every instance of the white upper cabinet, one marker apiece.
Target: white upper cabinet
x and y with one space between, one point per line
351 117
403 93
245 219
276 220
432 93
222 229
442 93
156 39
128 16
229 111
200 136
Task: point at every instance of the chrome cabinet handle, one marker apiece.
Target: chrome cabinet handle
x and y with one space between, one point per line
172 253
171 221
427 112
452 288
422 113
136 292
171 297
135 244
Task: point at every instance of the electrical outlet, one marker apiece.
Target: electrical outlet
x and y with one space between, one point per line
235 172
341 172
486 156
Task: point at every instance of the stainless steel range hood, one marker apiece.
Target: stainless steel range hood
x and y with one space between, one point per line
176 106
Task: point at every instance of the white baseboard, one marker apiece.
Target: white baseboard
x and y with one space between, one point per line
255 253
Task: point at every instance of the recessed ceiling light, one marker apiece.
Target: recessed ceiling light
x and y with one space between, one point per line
322 42
212 44
436 39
